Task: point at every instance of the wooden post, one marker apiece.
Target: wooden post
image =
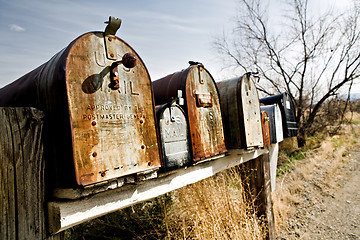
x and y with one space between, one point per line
258 181
22 183
273 156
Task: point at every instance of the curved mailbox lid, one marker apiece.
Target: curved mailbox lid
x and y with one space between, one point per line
241 112
95 132
202 107
265 128
275 122
174 141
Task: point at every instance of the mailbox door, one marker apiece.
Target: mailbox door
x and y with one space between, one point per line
204 114
270 110
278 123
174 137
251 112
113 131
265 128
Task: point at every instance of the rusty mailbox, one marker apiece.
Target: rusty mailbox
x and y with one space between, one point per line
265 128
287 109
202 108
174 139
241 112
100 117
275 122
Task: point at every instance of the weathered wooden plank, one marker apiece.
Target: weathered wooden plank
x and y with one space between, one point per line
8 218
22 188
65 214
258 182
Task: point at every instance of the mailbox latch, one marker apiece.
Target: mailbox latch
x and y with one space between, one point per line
129 60
203 100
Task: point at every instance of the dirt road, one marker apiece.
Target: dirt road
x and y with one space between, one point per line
328 209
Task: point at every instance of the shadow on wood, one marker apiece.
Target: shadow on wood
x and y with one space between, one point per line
22 165
257 181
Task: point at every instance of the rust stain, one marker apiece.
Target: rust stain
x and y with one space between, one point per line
125 135
265 128
202 108
94 132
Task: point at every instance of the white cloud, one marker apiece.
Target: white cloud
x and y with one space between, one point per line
16 28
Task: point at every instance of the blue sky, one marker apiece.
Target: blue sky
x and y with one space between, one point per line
166 34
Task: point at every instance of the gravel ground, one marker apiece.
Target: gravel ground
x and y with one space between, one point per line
328 212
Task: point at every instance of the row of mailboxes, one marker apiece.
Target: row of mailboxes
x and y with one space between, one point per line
201 107
287 110
101 122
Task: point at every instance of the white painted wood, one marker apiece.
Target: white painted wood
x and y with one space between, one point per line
278 124
65 214
273 155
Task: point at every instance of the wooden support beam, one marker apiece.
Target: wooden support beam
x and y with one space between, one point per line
22 184
23 191
258 182
65 214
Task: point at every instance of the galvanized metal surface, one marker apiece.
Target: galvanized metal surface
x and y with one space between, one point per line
202 108
95 133
275 122
174 138
287 109
241 112
265 128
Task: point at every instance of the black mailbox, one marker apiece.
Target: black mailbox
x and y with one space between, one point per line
287 109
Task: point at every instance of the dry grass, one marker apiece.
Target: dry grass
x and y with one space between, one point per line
215 208
322 168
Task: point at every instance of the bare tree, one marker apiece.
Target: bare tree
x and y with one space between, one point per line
311 55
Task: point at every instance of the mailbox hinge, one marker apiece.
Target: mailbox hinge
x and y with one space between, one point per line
109 35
